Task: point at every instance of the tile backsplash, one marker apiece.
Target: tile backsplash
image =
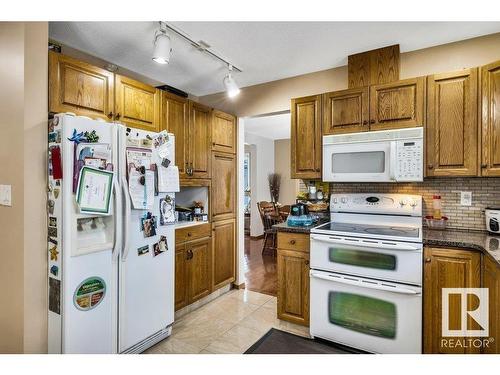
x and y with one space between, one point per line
485 193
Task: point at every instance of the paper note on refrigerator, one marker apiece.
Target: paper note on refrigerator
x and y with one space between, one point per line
142 189
168 179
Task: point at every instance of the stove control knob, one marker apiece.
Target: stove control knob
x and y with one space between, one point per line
413 203
402 202
335 200
343 200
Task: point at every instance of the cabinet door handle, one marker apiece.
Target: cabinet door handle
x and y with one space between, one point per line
292 242
117 116
430 166
484 165
372 121
189 234
427 260
306 262
365 122
110 115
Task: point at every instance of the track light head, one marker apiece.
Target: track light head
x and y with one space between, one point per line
162 50
230 84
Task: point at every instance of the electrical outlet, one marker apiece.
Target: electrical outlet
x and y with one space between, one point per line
466 198
5 195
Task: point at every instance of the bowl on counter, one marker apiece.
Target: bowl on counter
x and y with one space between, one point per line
439 224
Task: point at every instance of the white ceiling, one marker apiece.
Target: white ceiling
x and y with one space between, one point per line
272 127
265 51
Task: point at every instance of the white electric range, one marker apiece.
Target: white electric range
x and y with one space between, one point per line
366 273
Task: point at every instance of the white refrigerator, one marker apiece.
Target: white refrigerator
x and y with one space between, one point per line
110 251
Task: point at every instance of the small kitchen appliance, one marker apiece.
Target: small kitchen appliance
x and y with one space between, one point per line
378 156
493 219
366 273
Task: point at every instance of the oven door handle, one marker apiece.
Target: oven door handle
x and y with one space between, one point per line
361 284
377 245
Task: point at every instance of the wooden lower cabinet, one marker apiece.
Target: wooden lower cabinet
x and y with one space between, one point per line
447 268
181 276
199 270
491 280
293 283
193 271
223 248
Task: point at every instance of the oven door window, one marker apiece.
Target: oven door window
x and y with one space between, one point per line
359 162
362 258
371 316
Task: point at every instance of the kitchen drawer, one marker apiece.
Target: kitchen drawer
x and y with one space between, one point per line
192 232
293 241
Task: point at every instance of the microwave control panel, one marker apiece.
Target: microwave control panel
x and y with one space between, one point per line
409 160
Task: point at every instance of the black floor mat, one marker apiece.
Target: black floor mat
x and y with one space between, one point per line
280 342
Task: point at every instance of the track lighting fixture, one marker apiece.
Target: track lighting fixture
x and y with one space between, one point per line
161 54
232 88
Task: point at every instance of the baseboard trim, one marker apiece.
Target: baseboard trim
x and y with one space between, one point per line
239 286
257 237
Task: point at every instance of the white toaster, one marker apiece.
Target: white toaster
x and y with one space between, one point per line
493 219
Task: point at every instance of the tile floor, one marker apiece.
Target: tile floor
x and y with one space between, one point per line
228 325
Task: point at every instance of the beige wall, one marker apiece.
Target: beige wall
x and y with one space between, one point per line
289 188
23 114
35 177
275 96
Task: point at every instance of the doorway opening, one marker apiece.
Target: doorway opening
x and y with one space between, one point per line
267 153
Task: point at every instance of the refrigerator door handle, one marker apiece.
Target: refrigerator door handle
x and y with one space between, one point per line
118 219
126 218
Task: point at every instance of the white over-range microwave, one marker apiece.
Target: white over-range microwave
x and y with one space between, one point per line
378 156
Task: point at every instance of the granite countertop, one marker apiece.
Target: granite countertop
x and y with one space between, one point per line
481 241
284 227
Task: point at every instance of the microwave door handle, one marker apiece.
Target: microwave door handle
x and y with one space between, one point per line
361 284
403 247
392 160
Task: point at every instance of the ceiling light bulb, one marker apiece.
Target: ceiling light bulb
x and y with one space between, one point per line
161 54
232 88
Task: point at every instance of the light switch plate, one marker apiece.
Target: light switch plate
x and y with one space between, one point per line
5 195
466 198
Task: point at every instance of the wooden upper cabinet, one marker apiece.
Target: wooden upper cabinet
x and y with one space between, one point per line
490 124
346 111
452 124
137 104
223 132
491 280
199 268
199 140
223 186
224 251
81 88
306 138
397 105
447 268
175 119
